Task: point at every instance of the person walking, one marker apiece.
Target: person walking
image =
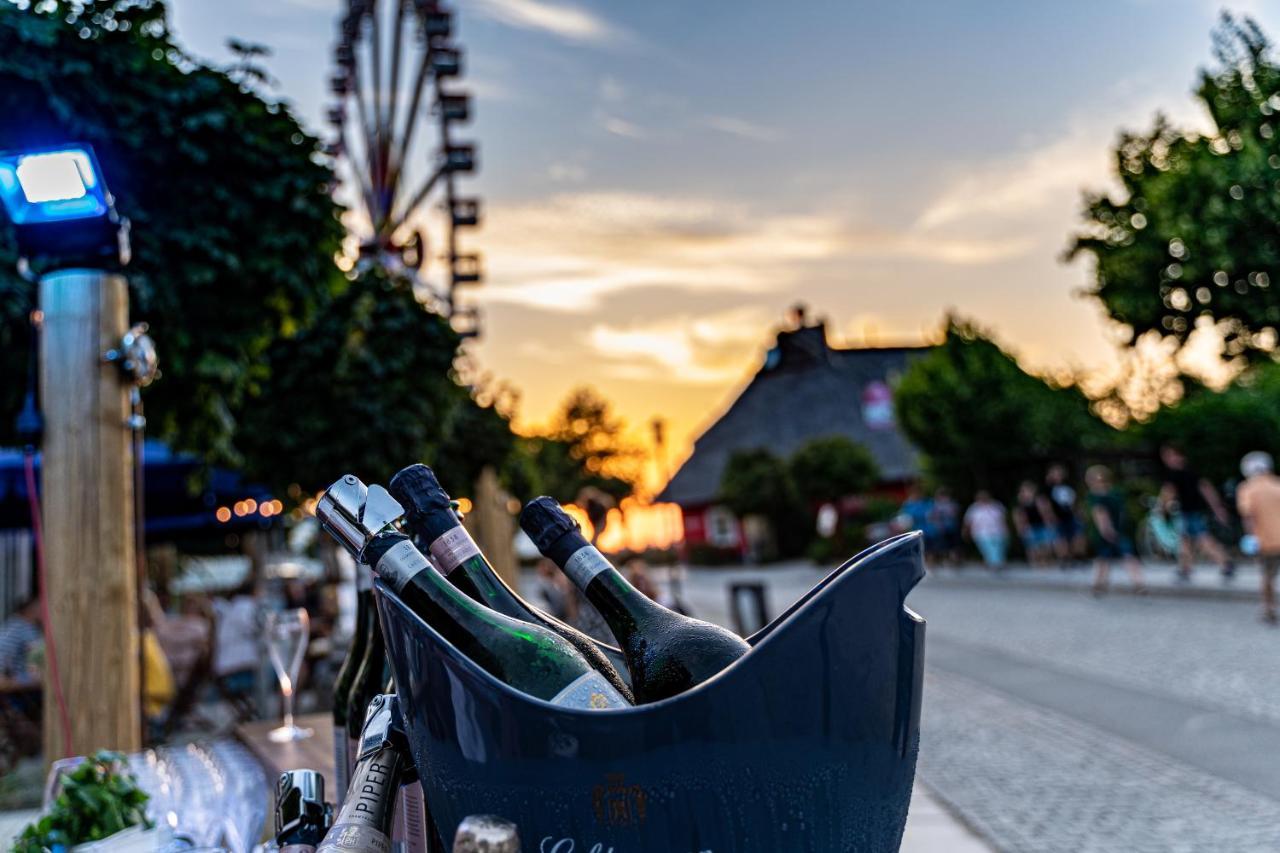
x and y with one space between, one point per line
1031 524
1196 499
1059 505
1258 500
1111 532
985 526
946 523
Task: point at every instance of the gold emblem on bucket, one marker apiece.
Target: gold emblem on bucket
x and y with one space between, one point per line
618 804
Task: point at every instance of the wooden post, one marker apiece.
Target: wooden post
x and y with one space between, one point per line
493 527
87 473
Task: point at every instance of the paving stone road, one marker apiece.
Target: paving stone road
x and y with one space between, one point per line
1055 722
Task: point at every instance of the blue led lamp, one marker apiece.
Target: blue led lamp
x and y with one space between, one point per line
62 213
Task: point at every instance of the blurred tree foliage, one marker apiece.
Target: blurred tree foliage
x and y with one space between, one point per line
981 421
584 448
1195 229
758 482
827 469
367 388
1217 428
274 362
234 230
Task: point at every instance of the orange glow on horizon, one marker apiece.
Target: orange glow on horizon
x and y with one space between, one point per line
634 526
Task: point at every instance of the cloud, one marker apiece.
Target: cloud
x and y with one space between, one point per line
568 173
742 128
710 349
562 20
571 251
622 127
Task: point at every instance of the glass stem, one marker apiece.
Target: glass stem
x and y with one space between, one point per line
287 694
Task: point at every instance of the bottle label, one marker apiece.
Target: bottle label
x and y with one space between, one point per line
297 848
400 564
364 578
452 548
590 691
343 837
584 565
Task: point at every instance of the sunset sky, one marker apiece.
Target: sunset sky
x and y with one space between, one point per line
663 179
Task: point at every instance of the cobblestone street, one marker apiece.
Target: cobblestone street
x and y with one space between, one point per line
1057 723
1054 722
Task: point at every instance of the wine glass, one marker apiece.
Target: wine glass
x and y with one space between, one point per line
287 633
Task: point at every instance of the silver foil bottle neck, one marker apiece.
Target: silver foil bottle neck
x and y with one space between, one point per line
354 513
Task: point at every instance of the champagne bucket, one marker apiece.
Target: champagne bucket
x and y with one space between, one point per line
806 743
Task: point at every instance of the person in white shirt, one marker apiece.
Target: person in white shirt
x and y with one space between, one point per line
986 526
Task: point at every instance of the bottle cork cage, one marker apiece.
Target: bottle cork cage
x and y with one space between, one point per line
807 743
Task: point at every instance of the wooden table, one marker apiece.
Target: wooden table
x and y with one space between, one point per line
314 753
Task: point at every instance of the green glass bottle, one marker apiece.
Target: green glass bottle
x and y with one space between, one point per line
666 653
430 519
342 758
370 679
525 656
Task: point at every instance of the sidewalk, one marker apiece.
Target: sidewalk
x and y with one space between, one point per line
933 829
1161 579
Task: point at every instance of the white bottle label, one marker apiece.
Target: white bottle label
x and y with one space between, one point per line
590 691
451 549
400 564
584 565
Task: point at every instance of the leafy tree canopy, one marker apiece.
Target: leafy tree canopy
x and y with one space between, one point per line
1216 428
234 230
584 448
1195 229
827 469
980 420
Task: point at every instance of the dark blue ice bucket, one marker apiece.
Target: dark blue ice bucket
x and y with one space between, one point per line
807 743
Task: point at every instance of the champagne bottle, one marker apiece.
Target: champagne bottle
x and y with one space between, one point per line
666 653
302 816
342 758
430 519
364 822
525 656
368 682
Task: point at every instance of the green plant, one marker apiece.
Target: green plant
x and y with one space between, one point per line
97 800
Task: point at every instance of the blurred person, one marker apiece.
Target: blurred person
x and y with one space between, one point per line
1111 531
1258 499
985 525
236 653
637 573
20 635
946 524
1196 499
1031 524
916 514
553 590
1059 505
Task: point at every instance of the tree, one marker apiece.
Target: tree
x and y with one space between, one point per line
827 469
234 230
594 440
757 482
1195 229
1217 428
981 421
365 389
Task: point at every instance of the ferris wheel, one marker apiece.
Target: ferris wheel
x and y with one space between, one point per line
394 117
